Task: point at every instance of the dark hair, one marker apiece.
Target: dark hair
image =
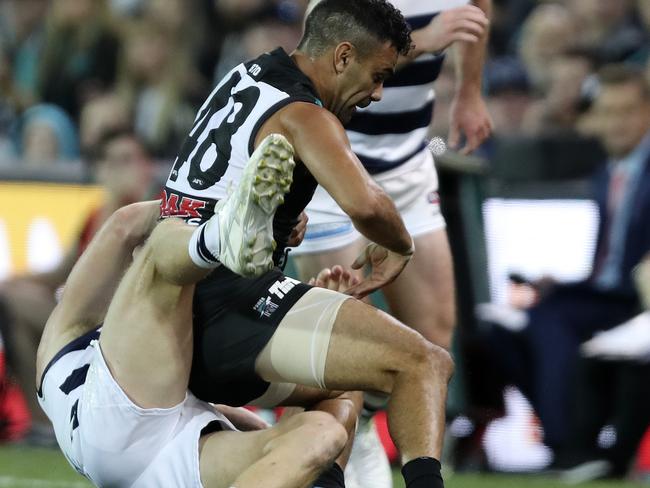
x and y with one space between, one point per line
357 21
98 151
618 74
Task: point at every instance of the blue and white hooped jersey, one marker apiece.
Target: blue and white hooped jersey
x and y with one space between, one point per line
390 132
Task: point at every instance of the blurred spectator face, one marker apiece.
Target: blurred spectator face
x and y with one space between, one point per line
40 145
125 170
170 14
100 115
46 134
623 111
567 73
147 53
548 31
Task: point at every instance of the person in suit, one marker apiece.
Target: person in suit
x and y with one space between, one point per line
541 359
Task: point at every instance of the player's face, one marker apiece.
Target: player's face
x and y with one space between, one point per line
363 82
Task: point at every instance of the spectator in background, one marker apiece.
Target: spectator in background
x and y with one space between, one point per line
79 58
541 359
44 135
153 80
549 30
22 28
276 23
607 27
103 114
509 95
558 109
124 169
612 389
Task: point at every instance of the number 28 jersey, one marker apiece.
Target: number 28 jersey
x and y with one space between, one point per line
222 140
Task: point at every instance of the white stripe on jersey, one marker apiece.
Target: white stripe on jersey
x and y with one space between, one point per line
401 99
388 147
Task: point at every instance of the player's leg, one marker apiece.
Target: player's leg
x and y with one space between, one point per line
290 454
365 349
152 309
93 279
423 295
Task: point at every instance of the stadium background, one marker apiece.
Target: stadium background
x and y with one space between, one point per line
519 206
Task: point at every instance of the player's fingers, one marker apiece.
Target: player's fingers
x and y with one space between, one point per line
470 27
363 288
464 37
454 136
361 260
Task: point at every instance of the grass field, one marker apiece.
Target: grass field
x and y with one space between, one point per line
46 468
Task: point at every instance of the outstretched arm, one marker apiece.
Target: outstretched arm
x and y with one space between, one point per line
321 143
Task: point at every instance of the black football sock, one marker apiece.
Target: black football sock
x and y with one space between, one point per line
331 478
422 472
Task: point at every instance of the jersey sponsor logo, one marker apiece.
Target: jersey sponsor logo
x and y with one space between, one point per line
255 70
281 287
172 205
265 307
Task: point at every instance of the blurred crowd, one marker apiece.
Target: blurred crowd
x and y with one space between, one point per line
72 68
115 84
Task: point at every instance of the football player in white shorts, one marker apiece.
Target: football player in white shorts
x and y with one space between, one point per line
117 395
389 137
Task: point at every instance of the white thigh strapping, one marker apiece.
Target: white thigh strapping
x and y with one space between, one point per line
297 352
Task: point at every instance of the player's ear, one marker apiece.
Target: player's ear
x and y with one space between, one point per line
343 55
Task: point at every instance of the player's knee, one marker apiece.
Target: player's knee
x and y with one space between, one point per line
427 358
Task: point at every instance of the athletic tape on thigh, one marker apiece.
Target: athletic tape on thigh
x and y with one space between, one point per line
297 352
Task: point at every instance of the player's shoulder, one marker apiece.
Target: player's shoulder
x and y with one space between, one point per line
277 69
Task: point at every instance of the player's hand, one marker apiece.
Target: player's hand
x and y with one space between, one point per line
241 418
468 117
466 24
298 233
385 267
337 278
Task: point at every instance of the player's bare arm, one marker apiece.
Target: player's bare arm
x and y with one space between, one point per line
321 144
469 116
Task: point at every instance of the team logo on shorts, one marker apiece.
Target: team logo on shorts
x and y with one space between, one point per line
265 307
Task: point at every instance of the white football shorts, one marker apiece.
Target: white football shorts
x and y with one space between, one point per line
112 441
413 186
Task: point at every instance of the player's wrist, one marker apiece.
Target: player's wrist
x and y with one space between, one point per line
409 252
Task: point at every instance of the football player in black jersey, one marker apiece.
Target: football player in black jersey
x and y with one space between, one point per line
274 340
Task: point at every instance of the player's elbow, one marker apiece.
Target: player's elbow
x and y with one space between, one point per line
365 208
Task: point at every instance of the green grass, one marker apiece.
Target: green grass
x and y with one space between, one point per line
47 468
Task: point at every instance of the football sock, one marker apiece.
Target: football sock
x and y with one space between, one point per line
204 244
422 472
331 478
